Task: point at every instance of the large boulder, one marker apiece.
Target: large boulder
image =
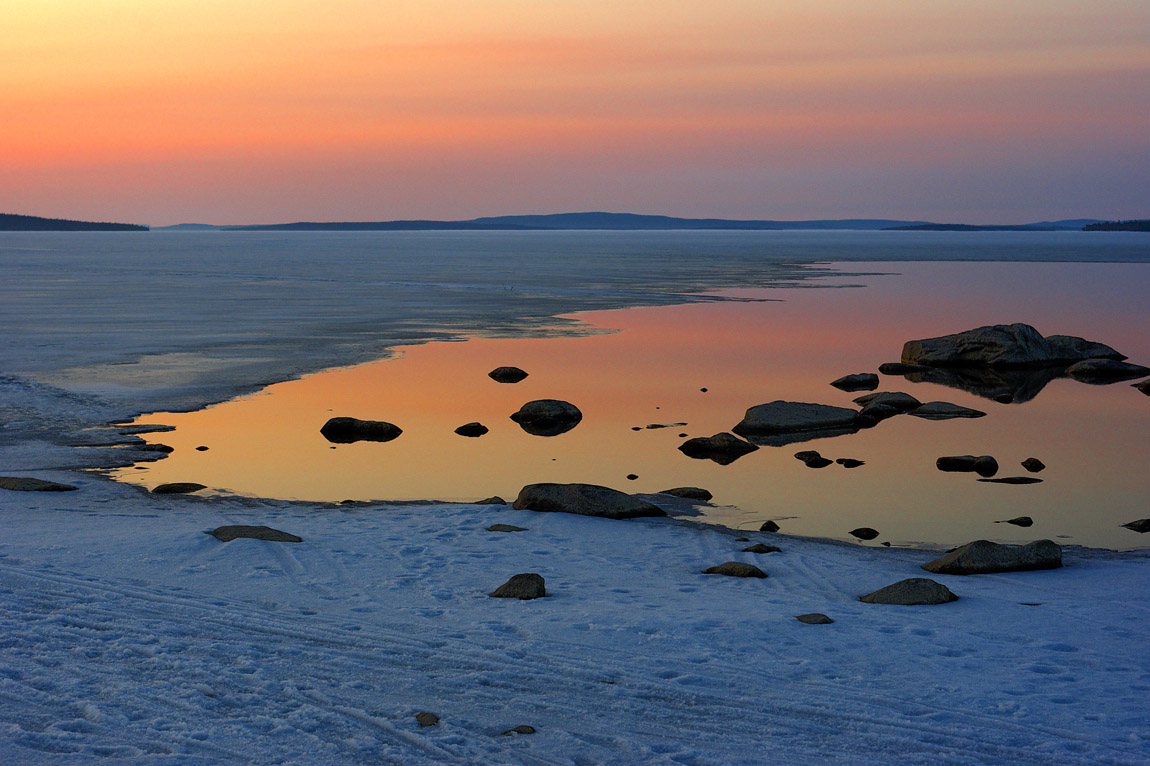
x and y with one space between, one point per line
350 430
547 417
723 448
763 422
1105 371
1002 346
24 484
584 500
860 381
945 411
916 591
985 557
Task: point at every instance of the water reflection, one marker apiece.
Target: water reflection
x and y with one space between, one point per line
704 365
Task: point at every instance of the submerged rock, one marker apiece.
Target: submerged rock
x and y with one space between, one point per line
178 488
547 417
916 591
735 569
763 422
689 493
862 381
945 411
1141 526
472 430
1105 371
507 374
1002 346
1033 464
524 586
350 430
229 533
22 484
584 500
814 618
723 448
985 557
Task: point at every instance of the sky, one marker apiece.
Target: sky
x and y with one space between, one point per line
262 111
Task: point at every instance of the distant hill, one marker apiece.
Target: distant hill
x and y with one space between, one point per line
188 227
9 222
1075 224
379 226
1141 225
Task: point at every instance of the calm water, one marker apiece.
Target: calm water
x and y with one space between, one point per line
648 365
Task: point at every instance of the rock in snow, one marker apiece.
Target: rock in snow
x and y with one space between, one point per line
584 500
916 591
689 493
178 488
22 484
229 533
814 618
761 548
985 557
735 569
524 586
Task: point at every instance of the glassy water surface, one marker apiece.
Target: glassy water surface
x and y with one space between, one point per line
647 366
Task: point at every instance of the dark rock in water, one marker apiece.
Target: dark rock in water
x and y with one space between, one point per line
1018 521
850 462
521 729
351 430
807 454
21 484
985 557
584 500
1141 526
760 548
162 448
507 374
636 428
865 533
1012 386
723 448
683 436
876 412
493 500
862 381
505 528
916 591
178 488
472 430
547 417
901 368
735 569
201 449
984 465
655 426
818 462
1004 398
1105 371
1013 480
1033 464
814 618
690 493
780 418
1002 346
229 533
703 390
632 476
944 411
1144 387
769 526
896 399
524 586
426 719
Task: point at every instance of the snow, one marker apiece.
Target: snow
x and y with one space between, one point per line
128 635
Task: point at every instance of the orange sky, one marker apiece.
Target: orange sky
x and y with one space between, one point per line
160 112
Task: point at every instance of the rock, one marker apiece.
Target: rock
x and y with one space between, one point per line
521 729
813 459
136 430
985 557
760 548
876 412
723 448
1004 398
850 462
229 533
1002 346
1141 526
632 476
703 390
1105 371
22 484
862 381
178 488
493 500
201 448
472 430
656 426
505 528
779 418
900 368
1033 464
769 526
162 448
547 417
807 454
522 586
1005 386
426 719
584 500
945 411
814 618
1144 387
865 533
690 493
1018 521
896 399
1013 480
507 374
984 465
916 591
742 539
351 430
735 569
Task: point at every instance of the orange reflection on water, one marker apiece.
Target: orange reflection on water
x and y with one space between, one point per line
1093 438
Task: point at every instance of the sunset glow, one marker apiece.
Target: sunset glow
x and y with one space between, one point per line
354 110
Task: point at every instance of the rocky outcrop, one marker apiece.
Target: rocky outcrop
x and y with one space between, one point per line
547 417
780 422
735 569
229 533
861 381
723 448
945 411
584 500
916 591
688 493
23 484
507 374
985 557
524 586
1002 347
178 488
1105 371
349 430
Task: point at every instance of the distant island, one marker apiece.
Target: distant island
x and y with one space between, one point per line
1139 225
10 222
1073 224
